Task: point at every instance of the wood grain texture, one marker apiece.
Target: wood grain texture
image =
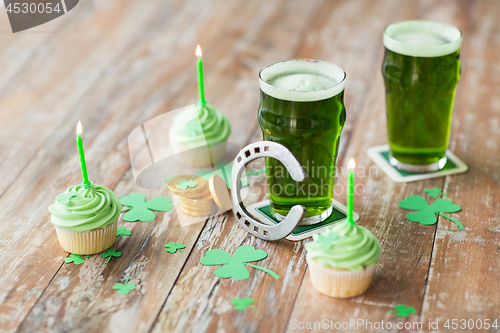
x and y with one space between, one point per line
402 271
121 63
107 161
70 67
176 316
464 269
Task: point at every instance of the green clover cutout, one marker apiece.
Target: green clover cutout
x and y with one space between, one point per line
403 311
194 128
434 192
65 198
76 259
141 210
243 304
234 266
110 253
183 184
123 232
172 247
326 241
124 288
427 213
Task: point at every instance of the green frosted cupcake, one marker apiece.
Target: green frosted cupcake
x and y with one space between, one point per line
342 260
86 218
204 128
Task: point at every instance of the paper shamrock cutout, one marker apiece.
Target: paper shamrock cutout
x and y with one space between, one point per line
183 184
243 304
434 192
124 288
427 213
194 128
110 253
123 232
403 311
172 247
141 209
65 198
76 259
234 266
326 241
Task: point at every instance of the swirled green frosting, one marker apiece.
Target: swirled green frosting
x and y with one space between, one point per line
344 246
83 209
197 126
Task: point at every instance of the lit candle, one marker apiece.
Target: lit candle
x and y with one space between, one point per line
350 190
200 76
79 143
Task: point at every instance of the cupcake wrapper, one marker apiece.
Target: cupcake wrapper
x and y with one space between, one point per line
340 283
198 157
87 242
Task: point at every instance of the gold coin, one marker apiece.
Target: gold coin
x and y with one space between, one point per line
190 213
220 192
199 209
203 194
185 190
202 202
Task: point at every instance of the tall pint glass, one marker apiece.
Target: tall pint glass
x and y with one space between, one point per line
421 70
302 108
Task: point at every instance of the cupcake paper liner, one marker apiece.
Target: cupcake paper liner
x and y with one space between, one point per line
87 242
340 283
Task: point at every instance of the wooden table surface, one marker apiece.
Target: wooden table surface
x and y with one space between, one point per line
114 64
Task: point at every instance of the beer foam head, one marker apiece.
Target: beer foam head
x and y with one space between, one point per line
422 38
302 80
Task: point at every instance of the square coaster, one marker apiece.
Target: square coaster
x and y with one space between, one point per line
262 212
380 155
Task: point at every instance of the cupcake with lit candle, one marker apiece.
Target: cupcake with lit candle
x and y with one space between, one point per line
86 218
200 131
204 128
342 260
86 215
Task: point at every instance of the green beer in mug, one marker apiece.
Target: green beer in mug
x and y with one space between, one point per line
302 108
421 70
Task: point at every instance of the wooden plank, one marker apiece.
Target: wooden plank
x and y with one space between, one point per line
464 269
109 132
19 49
107 160
41 99
200 301
406 247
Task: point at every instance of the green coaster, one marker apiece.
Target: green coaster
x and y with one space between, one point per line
262 212
380 155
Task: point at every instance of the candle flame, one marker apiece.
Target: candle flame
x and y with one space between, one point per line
79 128
351 164
198 51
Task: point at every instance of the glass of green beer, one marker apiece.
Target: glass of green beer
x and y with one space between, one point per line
302 108
421 70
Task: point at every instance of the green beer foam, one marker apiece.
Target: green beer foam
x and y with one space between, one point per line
302 80
422 38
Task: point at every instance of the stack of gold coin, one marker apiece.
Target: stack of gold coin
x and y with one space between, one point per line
196 198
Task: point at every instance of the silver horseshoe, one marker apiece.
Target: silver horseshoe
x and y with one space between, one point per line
281 153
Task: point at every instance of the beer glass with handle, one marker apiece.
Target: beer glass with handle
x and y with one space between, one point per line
421 70
302 108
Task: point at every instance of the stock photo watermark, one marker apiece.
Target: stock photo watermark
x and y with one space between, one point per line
27 14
